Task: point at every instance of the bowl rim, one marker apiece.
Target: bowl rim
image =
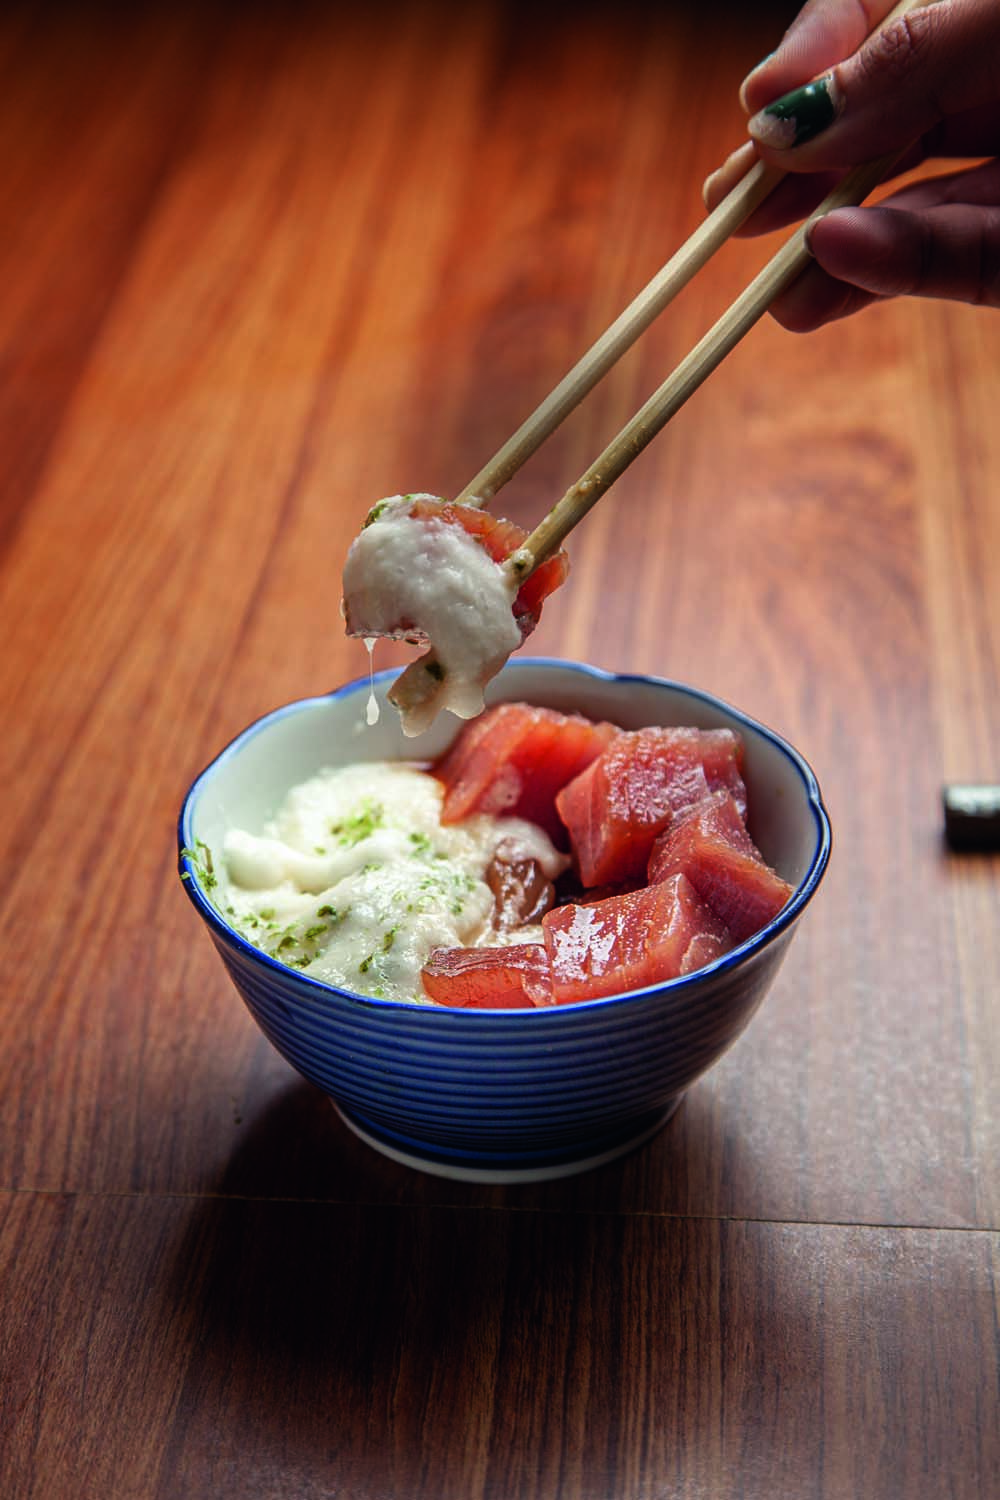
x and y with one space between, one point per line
737 956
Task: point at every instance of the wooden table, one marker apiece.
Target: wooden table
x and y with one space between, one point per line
260 266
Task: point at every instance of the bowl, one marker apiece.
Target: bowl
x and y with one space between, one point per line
513 1095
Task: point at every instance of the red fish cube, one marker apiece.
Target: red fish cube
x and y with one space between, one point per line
503 978
617 807
627 942
513 759
710 845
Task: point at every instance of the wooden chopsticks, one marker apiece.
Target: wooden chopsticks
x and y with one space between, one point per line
734 324
720 340
591 368
685 379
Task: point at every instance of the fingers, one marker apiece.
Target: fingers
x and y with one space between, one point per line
822 34
791 200
979 185
937 61
952 251
860 82
815 299
733 170
949 250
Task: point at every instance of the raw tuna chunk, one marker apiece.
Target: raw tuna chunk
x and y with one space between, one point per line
626 942
512 761
615 809
709 844
489 978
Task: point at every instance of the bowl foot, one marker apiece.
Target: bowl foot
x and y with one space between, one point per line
509 1168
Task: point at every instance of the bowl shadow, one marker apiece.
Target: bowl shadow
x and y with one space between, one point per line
412 1335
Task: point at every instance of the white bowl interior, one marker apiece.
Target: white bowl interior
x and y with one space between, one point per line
249 780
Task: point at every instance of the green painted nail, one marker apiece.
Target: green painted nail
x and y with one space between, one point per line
797 117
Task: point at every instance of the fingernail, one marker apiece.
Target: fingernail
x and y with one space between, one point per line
735 167
797 117
708 187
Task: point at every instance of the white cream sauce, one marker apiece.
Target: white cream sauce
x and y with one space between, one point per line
356 881
428 580
371 706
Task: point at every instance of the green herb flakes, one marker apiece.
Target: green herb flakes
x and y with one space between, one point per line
374 513
200 857
359 825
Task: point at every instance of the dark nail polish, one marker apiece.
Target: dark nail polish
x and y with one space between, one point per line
797 117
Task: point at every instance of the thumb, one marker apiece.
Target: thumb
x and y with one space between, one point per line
823 33
905 79
950 250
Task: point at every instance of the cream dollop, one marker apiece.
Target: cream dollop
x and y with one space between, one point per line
356 881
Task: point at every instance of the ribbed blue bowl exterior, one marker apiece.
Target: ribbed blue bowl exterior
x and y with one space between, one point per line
506 1088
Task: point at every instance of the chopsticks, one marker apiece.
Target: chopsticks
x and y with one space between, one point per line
737 206
685 379
422 677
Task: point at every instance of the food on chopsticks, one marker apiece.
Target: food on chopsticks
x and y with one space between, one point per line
434 573
447 883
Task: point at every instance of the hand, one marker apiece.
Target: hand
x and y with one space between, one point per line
831 96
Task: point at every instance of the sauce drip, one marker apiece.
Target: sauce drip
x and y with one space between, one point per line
371 707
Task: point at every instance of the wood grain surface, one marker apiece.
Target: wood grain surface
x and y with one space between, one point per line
260 265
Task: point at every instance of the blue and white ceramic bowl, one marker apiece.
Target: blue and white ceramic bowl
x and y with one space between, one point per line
504 1096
